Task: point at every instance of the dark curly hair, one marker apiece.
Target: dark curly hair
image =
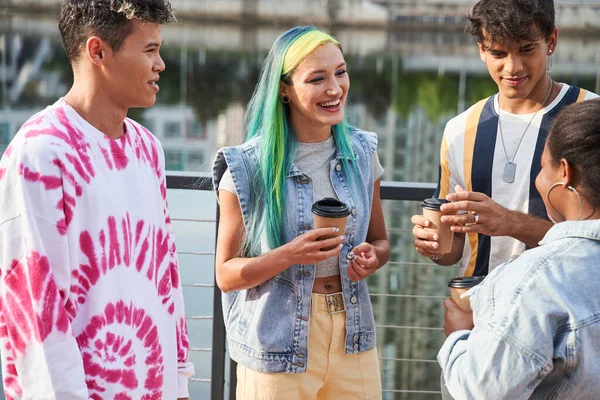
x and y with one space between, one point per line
575 137
511 21
110 20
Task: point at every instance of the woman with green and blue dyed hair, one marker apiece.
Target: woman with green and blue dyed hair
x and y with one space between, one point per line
296 306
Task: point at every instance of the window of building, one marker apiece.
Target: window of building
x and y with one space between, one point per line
172 129
173 161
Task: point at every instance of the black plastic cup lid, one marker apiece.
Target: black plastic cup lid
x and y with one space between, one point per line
465 281
330 208
433 203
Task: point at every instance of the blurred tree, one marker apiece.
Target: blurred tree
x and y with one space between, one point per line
211 86
479 87
372 87
438 95
406 94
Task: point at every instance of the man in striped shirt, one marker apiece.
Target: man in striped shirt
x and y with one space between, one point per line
490 154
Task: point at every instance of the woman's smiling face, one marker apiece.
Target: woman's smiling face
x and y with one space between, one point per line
318 88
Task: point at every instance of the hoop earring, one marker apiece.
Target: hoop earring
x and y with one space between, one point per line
572 189
285 99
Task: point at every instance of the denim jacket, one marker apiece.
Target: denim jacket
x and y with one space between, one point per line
267 325
537 324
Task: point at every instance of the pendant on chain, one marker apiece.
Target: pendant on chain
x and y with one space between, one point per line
510 170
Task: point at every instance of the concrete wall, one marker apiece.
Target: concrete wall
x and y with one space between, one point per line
571 14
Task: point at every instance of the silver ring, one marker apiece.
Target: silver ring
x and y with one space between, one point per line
476 217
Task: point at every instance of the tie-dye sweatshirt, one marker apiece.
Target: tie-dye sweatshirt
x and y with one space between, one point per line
91 301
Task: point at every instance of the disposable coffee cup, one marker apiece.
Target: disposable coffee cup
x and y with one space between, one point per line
460 285
432 212
330 213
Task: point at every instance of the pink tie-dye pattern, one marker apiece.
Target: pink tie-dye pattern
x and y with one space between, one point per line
81 167
30 286
117 148
107 256
66 174
49 182
31 310
80 163
141 149
114 246
75 139
183 343
106 155
110 358
66 204
11 378
114 252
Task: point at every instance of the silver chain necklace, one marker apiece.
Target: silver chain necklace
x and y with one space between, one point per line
510 168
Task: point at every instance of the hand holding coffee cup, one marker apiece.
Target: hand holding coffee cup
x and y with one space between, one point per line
330 213
433 214
308 248
455 318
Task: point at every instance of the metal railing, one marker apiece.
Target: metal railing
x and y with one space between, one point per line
221 367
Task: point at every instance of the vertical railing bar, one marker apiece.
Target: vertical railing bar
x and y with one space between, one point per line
217 384
232 379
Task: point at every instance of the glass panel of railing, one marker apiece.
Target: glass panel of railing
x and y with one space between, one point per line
193 215
407 297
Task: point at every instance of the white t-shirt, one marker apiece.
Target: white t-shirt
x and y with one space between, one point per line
92 304
513 196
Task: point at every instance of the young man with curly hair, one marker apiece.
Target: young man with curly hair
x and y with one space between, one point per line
491 153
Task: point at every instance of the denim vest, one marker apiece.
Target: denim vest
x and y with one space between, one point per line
537 324
267 326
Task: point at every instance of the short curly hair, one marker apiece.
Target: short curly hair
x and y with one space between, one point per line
511 21
110 20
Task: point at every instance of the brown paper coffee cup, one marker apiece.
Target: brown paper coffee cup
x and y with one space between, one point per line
330 213
432 212
460 285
